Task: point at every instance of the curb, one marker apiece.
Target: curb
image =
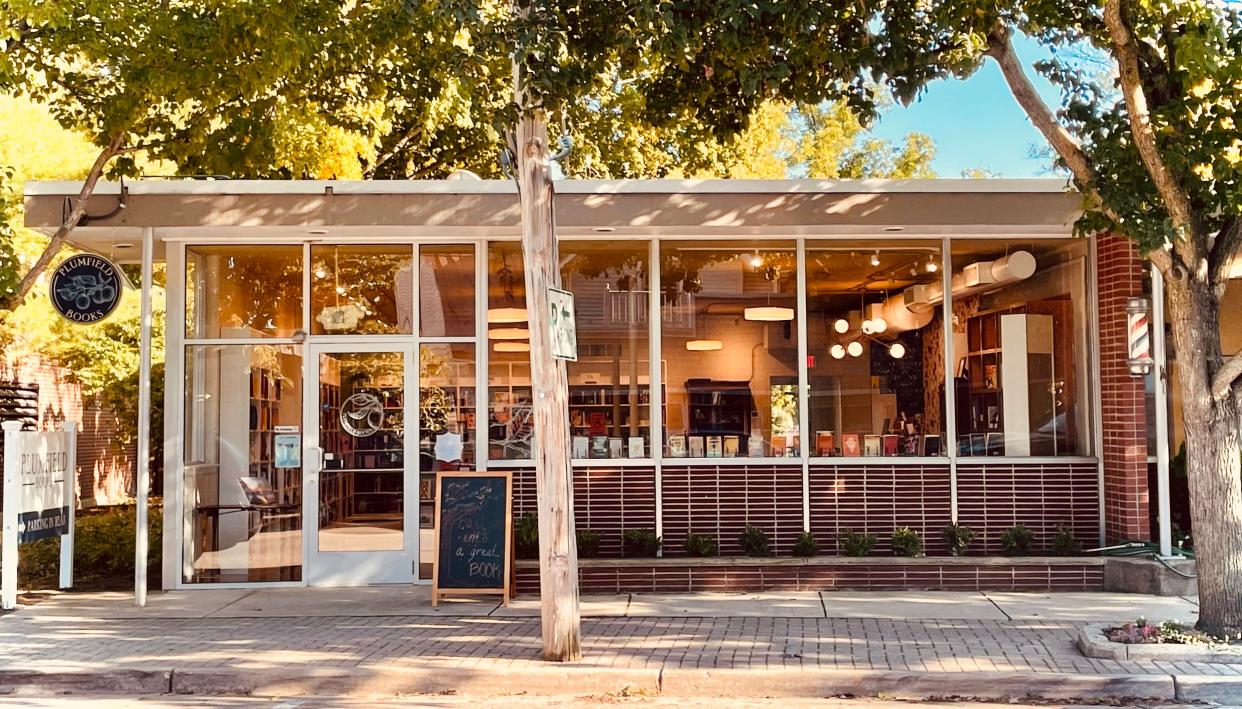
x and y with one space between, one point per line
136 682
1093 642
591 680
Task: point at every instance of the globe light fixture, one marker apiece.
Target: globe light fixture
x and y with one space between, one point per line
897 350
837 351
855 348
842 326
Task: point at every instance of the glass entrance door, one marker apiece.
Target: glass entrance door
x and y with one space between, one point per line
362 491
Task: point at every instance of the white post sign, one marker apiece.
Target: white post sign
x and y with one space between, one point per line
562 327
39 500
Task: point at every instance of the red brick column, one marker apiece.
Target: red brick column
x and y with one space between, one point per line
1124 421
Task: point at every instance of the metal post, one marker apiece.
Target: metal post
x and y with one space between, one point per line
806 439
71 502
949 417
1160 383
12 498
143 473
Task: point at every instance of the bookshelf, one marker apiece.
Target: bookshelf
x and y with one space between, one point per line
607 416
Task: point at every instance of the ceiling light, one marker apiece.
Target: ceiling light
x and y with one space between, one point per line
316 232
879 325
875 259
837 351
509 333
842 326
123 245
769 313
511 347
897 350
704 345
755 260
931 265
506 315
854 348
894 228
867 327
605 229
321 272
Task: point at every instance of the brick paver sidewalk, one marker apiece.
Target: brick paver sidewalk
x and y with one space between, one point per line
620 642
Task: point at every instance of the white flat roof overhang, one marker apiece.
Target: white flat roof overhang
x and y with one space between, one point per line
245 210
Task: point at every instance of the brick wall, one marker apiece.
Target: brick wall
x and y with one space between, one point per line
105 474
1124 451
721 500
876 499
992 497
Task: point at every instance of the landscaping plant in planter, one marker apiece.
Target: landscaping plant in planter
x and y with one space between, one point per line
857 544
701 545
957 537
642 543
754 541
907 542
1016 541
526 537
1064 544
806 546
1169 632
588 543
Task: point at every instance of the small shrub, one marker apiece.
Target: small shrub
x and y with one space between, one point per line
907 542
1064 544
641 543
754 541
588 543
857 544
1016 541
701 545
806 545
957 537
526 536
103 550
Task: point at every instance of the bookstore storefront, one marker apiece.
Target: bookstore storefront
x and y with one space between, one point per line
797 356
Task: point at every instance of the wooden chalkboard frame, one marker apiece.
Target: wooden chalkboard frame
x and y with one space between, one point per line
504 591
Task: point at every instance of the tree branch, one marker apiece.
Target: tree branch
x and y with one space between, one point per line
66 227
1000 48
1226 376
1176 199
1225 250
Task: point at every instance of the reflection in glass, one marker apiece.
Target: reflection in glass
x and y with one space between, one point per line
730 349
243 291
875 348
362 290
361 431
446 290
243 467
446 407
1019 347
509 424
610 384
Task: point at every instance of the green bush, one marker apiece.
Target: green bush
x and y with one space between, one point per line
1064 544
701 545
103 550
1017 540
957 537
754 541
641 543
588 543
526 536
806 546
857 544
906 542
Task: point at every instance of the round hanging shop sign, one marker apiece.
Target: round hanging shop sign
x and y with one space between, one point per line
86 288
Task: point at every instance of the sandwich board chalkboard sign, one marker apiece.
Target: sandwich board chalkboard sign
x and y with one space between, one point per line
473 534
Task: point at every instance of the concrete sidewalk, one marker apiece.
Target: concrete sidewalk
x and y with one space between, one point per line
279 642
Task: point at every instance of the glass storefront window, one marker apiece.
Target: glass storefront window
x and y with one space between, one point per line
446 279
729 348
243 467
362 290
610 384
243 291
1019 349
875 348
509 425
446 407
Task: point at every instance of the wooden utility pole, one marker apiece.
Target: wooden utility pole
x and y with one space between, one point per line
558 552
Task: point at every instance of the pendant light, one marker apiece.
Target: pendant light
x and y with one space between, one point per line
509 333
508 314
511 346
769 313
704 345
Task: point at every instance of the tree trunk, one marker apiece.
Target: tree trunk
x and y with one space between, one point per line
558 553
1213 456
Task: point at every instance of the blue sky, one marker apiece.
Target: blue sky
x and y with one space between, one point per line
976 122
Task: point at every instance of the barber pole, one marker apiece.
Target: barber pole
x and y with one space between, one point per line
1138 312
